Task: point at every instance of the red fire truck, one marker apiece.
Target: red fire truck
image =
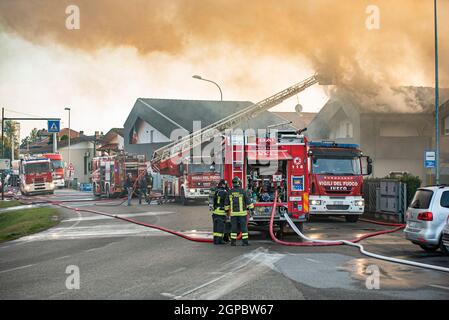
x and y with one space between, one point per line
109 173
190 180
290 153
336 177
266 164
36 176
58 167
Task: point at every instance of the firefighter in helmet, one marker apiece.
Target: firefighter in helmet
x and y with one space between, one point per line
220 206
239 203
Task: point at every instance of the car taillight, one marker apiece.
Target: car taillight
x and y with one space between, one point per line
425 216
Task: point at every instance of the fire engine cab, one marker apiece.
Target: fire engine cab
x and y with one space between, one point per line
109 173
36 176
266 164
190 180
336 177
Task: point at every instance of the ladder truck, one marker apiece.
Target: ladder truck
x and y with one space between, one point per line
289 149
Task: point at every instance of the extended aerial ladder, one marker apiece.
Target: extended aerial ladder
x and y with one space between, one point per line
196 138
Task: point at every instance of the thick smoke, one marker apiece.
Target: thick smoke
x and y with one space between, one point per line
331 34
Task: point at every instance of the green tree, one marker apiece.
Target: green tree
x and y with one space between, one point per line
10 134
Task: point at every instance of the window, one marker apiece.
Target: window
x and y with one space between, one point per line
422 199
444 202
446 126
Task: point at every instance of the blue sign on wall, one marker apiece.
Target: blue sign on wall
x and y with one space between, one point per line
430 159
53 126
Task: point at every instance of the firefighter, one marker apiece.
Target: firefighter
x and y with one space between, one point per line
128 186
219 206
143 188
239 203
149 178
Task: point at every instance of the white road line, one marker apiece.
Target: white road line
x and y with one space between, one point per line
312 260
178 270
89 250
63 257
17 268
439 287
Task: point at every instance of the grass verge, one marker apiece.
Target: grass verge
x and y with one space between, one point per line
19 223
9 203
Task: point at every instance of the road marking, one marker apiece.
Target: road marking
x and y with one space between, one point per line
63 257
177 270
439 287
312 260
18 268
89 250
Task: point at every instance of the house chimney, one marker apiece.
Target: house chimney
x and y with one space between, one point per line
81 133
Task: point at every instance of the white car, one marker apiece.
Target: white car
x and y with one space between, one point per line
445 238
427 216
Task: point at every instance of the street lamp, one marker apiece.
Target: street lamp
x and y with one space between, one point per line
437 115
68 109
201 78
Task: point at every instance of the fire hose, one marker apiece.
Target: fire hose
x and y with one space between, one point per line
352 243
309 241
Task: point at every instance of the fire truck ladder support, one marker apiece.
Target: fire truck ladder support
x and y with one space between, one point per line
205 134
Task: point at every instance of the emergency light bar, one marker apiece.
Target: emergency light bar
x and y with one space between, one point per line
327 144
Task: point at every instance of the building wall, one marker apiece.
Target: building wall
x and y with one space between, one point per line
77 157
148 134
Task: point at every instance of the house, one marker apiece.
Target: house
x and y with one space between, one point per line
299 121
82 150
395 135
153 123
112 142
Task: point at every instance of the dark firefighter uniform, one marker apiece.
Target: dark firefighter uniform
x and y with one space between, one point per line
239 203
220 206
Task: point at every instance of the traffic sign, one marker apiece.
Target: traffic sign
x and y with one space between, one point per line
430 159
53 126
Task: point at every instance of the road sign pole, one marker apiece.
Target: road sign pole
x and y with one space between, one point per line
55 143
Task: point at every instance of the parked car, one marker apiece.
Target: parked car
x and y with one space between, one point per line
427 216
445 246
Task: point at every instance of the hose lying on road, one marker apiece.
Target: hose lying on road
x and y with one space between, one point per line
310 242
352 243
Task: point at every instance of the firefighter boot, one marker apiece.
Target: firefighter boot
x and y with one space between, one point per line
233 242
215 240
220 241
245 242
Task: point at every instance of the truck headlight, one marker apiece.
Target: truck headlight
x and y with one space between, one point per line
52 185
359 203
27 188
192 190
315 202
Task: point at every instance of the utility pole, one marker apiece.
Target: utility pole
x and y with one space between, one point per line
437 113
3 130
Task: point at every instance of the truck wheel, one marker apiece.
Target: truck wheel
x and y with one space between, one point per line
184 201
352 218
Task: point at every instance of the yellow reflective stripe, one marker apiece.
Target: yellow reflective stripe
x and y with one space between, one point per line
244 235
226 207
305 202
251 206
233 235
217 234
238 214
218 200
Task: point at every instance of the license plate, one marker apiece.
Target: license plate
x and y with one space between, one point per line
413 224
339 202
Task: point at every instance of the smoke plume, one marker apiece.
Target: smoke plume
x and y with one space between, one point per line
331 34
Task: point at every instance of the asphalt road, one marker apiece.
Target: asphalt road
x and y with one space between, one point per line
119 260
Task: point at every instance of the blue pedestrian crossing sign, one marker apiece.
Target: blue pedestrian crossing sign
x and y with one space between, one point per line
53 126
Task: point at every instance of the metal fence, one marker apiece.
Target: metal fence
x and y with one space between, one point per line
386 196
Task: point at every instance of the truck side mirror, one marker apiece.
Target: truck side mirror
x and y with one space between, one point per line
369 166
